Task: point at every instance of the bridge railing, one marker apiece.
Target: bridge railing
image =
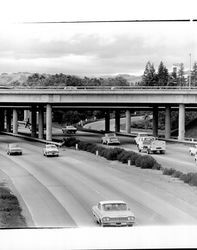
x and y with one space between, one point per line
111 88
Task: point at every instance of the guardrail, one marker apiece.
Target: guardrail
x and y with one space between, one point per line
112 88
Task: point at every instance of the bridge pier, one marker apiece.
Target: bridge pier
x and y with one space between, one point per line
41 123
48 122
15 121
155 121
107 121
181 134
8 120
167 123
2 119
128 121
33 121
26 115
117 121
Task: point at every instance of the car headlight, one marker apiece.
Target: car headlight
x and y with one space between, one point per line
105 219
131 218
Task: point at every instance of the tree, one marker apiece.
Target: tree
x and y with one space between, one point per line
181 78
194 75
162 75
149 77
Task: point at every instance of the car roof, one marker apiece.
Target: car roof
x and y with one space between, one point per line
111 201
13 144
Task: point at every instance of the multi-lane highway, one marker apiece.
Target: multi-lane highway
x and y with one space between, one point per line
60 191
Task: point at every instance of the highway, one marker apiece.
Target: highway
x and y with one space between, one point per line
60 191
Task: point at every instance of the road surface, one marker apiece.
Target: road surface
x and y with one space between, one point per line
60 191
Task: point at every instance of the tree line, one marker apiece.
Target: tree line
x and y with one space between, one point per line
163 78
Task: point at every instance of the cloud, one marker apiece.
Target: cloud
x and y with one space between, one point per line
95 48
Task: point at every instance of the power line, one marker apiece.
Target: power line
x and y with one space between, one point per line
107 21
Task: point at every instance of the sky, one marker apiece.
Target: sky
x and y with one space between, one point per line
95 48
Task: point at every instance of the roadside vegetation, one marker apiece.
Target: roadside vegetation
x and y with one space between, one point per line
10 210
131 157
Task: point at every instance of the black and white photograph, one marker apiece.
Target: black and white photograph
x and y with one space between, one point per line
98 124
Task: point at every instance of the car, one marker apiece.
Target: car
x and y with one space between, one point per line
113 213
69 130
110 138
50 150
70 88
193 150
14 149
151 144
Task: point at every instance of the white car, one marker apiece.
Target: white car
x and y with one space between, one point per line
113 213
50 150
193 150
14 149
110 138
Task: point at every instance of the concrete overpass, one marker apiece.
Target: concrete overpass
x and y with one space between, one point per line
44 100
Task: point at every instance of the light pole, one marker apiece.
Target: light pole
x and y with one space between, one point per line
190 76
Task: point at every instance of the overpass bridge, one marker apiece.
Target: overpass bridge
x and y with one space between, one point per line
108 98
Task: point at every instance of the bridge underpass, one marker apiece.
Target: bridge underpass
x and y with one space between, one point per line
42 102
41 115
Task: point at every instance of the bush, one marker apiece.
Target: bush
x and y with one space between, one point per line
119 154
145 161
177 174
70 141
124 156
157 166
168 171
193 181
112 153
187 177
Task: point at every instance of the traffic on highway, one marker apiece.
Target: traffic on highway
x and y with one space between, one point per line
61 191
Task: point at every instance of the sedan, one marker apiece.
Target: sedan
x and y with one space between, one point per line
113 213
14 149
50 150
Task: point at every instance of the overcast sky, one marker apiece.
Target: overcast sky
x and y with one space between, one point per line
95 48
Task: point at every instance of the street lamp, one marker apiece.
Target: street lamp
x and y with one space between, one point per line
190 76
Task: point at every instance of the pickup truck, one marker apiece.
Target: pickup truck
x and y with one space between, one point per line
150 144
140 137
193 150
110 138
69 130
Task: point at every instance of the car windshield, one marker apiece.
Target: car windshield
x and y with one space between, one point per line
115 207
148 140
111 135
142 135
13 146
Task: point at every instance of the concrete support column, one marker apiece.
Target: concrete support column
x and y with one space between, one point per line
181 135
2 119
8 120
128 121
48 122
15 121
26 115
117 121
155 121
33 121
167 123
107 121
41 123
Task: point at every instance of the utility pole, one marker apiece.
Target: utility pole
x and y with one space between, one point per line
190 73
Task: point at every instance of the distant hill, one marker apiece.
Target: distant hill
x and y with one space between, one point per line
21 77
9 78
